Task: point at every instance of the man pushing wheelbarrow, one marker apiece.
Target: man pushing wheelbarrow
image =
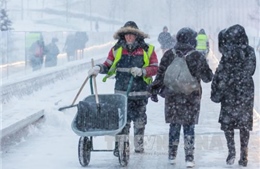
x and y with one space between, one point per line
131 58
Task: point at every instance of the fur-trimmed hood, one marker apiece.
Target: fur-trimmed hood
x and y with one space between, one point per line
130 27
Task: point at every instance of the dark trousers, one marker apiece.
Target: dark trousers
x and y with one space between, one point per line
189 138
136 112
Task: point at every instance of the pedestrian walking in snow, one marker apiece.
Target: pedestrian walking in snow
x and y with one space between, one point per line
202 43
131 57
81 38
52 53
233 87
165 39
70 47
36 54
182 110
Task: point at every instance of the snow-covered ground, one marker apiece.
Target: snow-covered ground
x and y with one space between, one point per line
53 144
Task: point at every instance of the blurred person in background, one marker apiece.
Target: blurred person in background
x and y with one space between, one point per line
202 43
70 47
165 39
81 38
52 53
36 54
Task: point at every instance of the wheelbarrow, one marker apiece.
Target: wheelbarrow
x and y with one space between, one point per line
107 119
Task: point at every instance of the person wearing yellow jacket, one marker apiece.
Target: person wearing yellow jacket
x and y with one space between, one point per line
131 58
202 43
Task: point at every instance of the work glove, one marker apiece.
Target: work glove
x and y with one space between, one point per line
135 71
154 98
94 71
153 93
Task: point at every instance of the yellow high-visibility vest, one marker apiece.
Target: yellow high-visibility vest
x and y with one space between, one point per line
118 56
201 42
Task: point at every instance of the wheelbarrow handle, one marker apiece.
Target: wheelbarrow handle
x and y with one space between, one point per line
67 107
80 90
72 105
129 85
95 84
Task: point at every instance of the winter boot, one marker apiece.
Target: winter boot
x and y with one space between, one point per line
172 154
190 164
243 157
231 158
139 140
116 151
189 151
231 147
244 139
139 146
174 138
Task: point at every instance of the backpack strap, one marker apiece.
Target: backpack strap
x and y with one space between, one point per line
184 56
190 52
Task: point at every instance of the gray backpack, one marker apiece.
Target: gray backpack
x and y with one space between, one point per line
178 77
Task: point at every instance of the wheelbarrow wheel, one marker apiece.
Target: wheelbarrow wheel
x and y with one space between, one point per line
84 150
124 152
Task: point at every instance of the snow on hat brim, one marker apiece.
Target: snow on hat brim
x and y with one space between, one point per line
125 30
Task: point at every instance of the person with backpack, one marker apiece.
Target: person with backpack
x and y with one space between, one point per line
131 58
233 87
182 110
36 54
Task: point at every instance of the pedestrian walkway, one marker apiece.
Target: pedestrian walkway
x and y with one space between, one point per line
56 142
210 145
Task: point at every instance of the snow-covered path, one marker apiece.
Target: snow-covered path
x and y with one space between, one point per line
54 145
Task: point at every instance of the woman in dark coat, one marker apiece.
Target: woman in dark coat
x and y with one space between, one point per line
233 87
180 109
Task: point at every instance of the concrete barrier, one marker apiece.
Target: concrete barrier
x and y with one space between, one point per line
15 127
34 83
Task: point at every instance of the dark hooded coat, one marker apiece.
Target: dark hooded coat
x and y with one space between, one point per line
181 108
233 85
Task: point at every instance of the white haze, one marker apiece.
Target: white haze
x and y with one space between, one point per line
53 144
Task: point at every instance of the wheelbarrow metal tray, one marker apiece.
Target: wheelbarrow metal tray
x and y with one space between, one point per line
110 119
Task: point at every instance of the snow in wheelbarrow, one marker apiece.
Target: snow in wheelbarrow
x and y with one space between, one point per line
108 120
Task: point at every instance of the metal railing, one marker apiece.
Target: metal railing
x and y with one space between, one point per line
14 46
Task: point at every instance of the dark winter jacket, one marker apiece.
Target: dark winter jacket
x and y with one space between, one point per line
70 45
233 84
51 55
132 56
81 38
181 108
36 53
166 40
